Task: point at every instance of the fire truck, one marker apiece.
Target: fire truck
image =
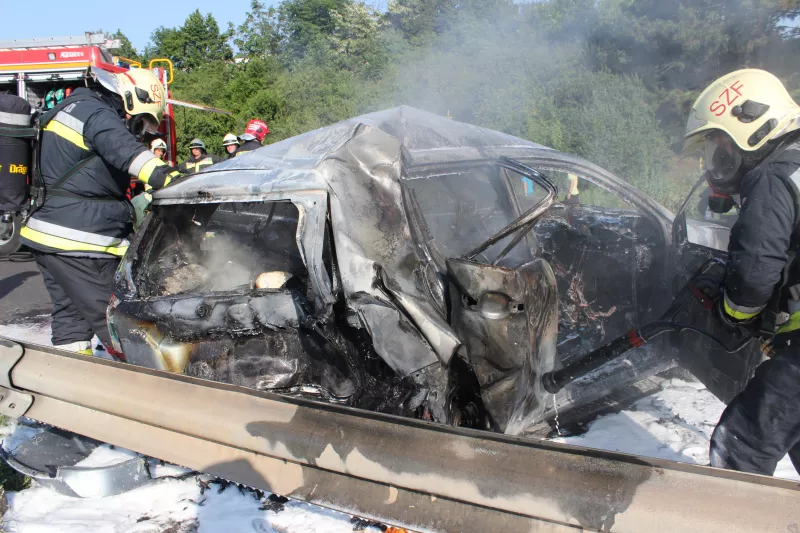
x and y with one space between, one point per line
37 68
44 71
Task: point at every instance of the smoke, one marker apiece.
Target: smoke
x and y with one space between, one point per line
610 81
228 252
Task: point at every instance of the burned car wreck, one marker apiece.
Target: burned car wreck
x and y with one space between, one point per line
398 261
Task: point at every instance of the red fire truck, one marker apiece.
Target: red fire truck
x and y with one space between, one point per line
36 69
45 71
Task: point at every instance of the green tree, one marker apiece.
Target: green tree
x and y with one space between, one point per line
127 49
258 35
197 42
304 23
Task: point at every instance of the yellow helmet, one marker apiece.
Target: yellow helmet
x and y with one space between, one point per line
751 106
141 91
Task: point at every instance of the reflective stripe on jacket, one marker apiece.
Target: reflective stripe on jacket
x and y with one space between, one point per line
193 165
87 156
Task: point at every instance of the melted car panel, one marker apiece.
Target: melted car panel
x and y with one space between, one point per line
397 261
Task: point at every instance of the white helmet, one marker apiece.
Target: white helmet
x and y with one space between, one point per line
230 139
158 143
734 118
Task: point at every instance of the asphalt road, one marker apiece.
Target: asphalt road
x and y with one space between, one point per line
22 292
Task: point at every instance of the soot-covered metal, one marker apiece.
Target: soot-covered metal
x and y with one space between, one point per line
397 261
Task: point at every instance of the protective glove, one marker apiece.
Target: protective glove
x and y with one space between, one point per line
761 326
141 206
707 285
731 324
784 335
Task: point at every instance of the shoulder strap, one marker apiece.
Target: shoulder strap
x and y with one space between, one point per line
38 189
19 133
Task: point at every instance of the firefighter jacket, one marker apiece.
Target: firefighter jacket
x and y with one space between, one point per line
196 164
86 157
248 146
765 236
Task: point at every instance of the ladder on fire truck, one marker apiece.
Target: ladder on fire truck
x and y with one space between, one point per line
87 39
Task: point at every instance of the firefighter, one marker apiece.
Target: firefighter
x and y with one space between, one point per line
231 144
200 158
746 126
90 146
253 136
573 193
159 147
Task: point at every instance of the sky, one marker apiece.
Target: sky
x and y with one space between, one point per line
137 20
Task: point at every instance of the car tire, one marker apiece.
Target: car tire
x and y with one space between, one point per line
9 237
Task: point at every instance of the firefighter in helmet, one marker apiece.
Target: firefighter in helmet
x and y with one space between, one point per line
253 136
200 159
746 127
231 143
91 145
159 147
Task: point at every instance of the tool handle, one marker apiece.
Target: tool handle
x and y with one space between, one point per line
555 381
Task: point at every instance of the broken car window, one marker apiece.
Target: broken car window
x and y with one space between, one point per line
224 247
464 208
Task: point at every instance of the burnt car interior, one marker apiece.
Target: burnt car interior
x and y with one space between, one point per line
607 255
223 247
227 287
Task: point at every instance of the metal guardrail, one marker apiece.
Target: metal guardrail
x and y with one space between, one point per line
414 474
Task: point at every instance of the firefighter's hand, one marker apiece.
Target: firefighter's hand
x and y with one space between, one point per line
141 206
709 280
751 327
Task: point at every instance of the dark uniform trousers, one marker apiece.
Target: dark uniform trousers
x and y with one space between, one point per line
762 424
79 288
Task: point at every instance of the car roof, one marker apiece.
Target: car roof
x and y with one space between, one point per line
301 162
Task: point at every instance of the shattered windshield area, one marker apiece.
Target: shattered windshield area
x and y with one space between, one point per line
463 208
223 247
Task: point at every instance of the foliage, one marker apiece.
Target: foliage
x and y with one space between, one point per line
126 49
198 42
609 80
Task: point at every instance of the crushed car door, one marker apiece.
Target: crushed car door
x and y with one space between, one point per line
700 235
503 301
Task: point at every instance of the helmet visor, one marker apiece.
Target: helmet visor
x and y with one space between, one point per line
722 160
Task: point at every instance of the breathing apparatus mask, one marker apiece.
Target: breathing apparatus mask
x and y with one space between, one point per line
726 165
141 126
720 202
722 160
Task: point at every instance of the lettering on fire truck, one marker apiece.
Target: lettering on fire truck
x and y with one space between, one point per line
726 99
65 55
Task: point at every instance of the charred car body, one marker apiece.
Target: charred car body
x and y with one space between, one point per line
401 262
